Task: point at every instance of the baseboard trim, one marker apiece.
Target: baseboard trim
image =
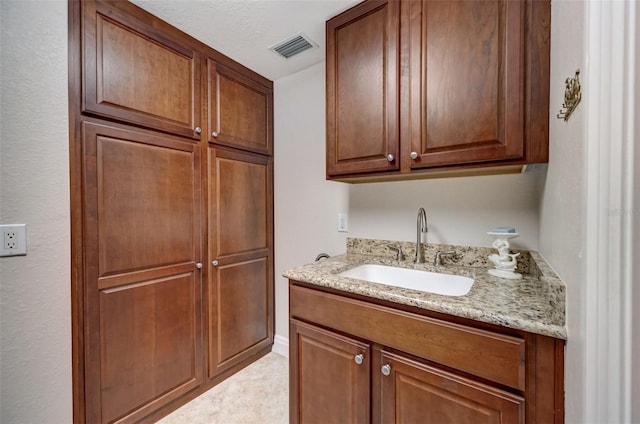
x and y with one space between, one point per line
281 345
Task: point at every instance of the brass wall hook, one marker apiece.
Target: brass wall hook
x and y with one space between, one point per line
572 96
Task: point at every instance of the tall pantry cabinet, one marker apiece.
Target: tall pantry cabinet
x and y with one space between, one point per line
171 149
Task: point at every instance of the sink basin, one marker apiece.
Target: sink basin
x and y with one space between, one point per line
414 279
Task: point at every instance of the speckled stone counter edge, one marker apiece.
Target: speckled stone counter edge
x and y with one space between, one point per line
535 304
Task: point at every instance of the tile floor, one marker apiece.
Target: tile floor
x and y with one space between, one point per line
259 394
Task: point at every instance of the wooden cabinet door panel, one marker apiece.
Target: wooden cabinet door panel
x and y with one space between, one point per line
146 204
240 283
327 385
148 345
415 392
240 203
362 92
466 81
135 72
239 319
239 110
142 289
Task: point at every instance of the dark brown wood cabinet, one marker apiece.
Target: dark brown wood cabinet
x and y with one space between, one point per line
240 285
172 235
472 89
412 392
363 58
332 375
466 70
239 110
416 366
139 70
142 287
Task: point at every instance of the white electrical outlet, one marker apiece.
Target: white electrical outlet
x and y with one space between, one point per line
13 240
342 222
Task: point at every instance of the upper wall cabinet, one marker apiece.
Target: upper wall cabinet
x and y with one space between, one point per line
474 89
362 89
138 71
239 110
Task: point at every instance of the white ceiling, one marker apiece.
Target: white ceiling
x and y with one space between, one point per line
245 29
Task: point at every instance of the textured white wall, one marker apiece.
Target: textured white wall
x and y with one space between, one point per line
306 205
562 206
35 314
459 210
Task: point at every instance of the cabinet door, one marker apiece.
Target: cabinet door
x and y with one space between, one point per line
240 283
465 88
417 393
142 287
137 71
239 110
362 89
329 377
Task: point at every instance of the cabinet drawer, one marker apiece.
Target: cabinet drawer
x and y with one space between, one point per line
482 353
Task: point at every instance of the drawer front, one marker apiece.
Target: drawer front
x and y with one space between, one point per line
482 353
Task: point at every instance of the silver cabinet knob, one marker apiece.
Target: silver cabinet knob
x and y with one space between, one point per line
199 265
358 358
198 130
390 157
386 369
214 134
214 263
414 155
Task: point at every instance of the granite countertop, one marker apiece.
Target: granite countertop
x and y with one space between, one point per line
536 303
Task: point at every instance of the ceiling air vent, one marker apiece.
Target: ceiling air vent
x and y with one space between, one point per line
293 45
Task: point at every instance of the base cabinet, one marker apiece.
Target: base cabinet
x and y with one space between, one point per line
356 361
334 381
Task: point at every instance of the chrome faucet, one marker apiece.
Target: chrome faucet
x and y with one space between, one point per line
421 227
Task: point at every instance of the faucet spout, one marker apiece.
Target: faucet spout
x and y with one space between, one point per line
421 227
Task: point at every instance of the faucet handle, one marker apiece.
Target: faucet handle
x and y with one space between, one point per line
439 254
398 249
